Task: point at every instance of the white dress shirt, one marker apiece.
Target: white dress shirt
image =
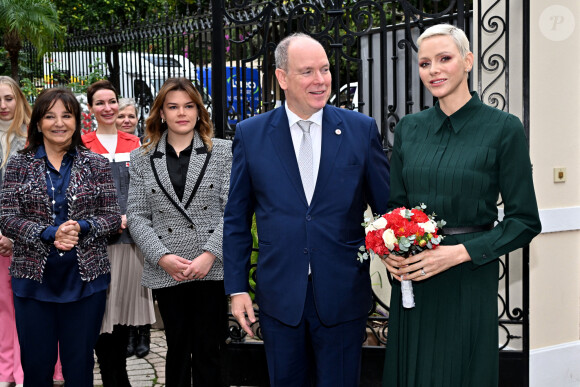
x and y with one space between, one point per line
315 135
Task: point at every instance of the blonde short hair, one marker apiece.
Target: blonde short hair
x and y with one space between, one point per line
456 34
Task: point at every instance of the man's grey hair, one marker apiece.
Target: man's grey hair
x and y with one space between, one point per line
458 36
281 53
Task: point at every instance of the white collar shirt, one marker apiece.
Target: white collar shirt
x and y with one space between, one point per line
315 135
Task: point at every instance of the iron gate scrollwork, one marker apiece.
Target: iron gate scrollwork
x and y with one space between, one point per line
371 46
228 54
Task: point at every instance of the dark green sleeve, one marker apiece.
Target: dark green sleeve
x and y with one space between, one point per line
521 221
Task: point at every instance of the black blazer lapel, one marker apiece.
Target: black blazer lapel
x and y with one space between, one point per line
197 166
161 174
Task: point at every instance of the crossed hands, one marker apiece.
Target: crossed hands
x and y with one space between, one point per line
181 269
426 264
67 235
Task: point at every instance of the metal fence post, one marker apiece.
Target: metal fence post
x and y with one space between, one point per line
218 74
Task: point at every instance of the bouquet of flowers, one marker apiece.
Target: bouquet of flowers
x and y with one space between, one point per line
401 232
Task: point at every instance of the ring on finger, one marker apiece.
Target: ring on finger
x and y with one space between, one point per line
423 272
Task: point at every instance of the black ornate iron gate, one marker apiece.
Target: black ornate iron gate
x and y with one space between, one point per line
371 48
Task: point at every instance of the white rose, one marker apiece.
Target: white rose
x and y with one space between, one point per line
429 226
390 239
380 223
369 228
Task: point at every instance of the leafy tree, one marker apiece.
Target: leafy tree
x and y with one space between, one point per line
35 21
89 14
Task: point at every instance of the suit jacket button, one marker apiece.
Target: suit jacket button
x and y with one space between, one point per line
305 250
484 256
153 190
205 207
190 226
170 229
308 218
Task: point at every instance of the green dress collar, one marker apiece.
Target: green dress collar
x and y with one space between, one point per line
461 117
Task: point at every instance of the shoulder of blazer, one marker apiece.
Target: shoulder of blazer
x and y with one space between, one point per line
346 115
221 146
140 155
264 120
94 160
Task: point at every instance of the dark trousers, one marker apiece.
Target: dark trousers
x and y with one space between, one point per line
45 328
111 349
195 318
311 353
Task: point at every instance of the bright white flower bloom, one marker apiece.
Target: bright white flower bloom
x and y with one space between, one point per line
390 239
429 226
380 223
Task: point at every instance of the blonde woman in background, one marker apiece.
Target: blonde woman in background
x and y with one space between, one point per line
14 116
127 119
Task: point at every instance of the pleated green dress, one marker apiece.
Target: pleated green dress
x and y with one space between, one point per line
458 166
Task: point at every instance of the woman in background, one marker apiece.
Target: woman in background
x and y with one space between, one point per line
139 336
457 157
128 302
14 117
58 204
127 119
178 192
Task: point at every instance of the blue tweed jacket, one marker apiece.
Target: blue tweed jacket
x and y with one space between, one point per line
26 211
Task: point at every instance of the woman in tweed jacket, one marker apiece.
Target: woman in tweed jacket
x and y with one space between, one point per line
177 195
59 205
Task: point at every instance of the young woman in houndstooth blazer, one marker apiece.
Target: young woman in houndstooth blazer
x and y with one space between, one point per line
177 195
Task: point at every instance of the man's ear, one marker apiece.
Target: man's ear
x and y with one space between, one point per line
281 76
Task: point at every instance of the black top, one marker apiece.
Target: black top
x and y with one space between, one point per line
177 167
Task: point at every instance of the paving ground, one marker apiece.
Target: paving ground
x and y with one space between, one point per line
148 371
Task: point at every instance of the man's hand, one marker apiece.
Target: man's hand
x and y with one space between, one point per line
241 305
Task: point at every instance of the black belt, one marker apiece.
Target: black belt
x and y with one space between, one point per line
464 230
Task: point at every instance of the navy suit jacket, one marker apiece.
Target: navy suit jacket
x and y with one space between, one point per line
265 180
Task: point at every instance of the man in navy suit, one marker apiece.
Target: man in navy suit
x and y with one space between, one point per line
307 170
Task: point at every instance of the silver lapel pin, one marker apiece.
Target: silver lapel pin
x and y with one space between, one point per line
338 132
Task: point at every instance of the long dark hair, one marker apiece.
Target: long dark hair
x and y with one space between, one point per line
45 101
155 128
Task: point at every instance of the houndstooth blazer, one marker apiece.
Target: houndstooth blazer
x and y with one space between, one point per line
162 224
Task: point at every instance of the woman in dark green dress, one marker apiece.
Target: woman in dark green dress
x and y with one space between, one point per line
457 157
